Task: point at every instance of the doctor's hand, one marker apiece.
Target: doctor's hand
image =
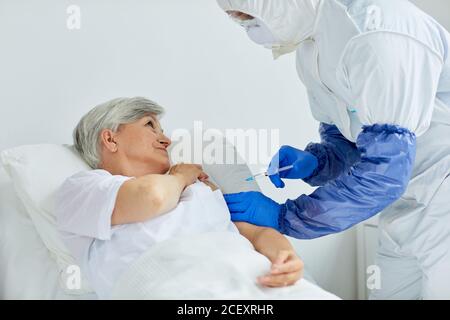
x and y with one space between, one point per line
254 208
287 269
304 165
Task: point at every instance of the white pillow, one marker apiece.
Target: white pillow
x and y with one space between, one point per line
231 178
37 172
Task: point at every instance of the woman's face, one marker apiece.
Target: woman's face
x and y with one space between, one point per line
144 143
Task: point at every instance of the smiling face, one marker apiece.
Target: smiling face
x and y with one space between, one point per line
136 149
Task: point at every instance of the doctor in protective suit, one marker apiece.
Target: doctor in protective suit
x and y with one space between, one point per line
377 74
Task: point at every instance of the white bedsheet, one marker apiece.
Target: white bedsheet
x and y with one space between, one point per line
26 269
215 265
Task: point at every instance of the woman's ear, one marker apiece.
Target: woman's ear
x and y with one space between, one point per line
108 140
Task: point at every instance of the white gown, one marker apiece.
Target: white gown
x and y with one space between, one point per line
369 62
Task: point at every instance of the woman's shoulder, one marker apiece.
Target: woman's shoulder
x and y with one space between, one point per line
86 179
91 173
88 175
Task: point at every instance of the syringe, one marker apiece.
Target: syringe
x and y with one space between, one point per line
265 174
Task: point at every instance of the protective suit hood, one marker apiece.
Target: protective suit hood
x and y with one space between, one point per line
290 21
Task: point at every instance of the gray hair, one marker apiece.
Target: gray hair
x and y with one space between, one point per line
109 115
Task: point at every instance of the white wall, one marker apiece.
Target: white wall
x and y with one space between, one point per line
184 54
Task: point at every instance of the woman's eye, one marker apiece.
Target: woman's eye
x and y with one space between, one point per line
150 123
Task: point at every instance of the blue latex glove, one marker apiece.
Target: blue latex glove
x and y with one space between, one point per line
372 184
304 165
254 208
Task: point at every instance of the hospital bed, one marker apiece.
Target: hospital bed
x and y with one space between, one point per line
27 268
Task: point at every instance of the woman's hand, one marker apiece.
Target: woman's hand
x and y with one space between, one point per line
287 269
211 185
189 173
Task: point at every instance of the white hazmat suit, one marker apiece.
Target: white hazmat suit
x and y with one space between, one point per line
377 74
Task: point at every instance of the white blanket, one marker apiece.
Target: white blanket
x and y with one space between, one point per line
217 265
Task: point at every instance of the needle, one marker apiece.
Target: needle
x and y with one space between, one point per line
265 174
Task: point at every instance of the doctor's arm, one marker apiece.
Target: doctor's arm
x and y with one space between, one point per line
378 180
335 155
393 81
320 163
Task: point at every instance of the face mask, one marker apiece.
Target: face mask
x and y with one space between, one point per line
243 23
259 33
282 37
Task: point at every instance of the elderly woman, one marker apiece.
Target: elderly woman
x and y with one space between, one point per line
133 198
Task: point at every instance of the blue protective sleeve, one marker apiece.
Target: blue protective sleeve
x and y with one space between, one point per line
336 155
375 182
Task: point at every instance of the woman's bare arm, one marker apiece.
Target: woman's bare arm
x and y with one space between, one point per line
287 268
150 196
